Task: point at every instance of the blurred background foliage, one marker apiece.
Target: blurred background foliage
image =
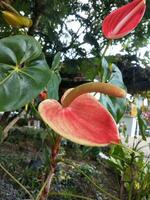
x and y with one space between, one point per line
69 26
73 28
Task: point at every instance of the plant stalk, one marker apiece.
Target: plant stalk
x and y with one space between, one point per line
106 48
44 192
122 187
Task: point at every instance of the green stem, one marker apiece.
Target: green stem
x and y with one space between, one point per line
122 186
106 48
89 179
130 150
69 195
14 179
102 78
43 193
130 191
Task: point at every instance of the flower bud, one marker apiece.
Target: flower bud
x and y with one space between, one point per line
123 20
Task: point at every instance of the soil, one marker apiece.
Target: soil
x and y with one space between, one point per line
23 154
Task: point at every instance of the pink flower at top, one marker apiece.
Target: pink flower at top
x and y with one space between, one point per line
123 20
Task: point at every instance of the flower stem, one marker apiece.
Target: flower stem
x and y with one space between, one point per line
105 88
37 113
15 180
43 194
41 190
106 48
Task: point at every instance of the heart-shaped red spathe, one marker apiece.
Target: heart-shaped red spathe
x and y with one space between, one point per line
123 20
85 121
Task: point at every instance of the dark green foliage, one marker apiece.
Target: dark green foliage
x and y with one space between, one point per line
111 74
133 169
55 79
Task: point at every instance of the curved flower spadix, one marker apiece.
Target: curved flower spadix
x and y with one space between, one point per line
123 20
81 118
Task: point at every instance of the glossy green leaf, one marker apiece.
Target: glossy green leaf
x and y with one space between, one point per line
116 106
116 76
55 79
53 85
56 62
23 71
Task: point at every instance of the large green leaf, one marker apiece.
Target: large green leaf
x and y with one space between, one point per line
53 85
116 106
23 71
56 62
55 78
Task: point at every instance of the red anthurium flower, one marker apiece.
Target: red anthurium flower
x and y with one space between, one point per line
122 21
81 118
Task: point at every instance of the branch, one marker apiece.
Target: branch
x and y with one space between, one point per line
44 192
38 9
11 124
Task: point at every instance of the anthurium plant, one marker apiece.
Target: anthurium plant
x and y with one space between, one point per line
80 117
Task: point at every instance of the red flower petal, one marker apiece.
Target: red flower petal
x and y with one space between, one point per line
123 20
85 121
